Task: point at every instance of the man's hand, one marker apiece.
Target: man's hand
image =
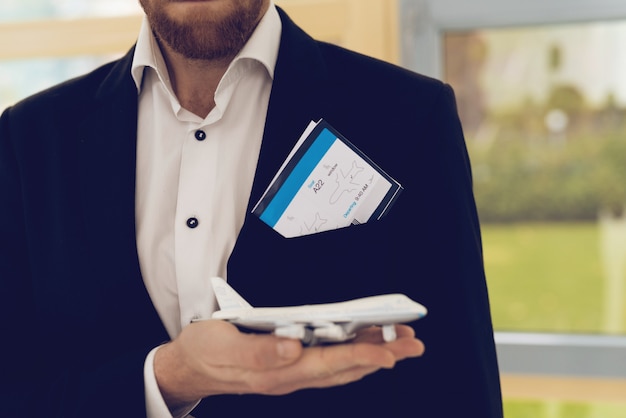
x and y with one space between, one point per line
213 357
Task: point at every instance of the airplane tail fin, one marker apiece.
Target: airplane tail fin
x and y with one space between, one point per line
227 297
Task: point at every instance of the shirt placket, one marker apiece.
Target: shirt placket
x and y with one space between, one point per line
194 224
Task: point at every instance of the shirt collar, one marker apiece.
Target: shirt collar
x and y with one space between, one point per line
262 47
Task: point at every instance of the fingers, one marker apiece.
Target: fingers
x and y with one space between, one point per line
333 365
404 348
346 363
405 345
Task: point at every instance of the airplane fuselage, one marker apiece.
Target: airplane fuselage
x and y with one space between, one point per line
350 315
329 322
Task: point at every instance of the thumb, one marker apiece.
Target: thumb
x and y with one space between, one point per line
229 347
288 349
262 352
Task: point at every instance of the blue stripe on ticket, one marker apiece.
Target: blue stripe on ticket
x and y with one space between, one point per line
297 177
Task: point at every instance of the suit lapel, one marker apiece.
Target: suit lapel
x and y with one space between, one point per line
108 154
294 101
107 166
297 97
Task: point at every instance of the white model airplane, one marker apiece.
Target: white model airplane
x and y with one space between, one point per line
331 322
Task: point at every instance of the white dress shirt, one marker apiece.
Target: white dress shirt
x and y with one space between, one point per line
194 177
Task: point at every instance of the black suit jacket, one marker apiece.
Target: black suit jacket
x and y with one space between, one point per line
77 321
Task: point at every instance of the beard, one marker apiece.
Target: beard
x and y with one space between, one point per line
204 36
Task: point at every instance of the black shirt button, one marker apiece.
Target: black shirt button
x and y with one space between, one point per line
192 222
200 135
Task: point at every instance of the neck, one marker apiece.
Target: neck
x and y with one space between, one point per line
194 81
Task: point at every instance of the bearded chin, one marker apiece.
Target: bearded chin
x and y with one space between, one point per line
199 39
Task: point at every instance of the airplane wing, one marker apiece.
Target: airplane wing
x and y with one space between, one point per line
310 333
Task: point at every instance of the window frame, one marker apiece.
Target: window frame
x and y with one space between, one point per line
367 26
422 22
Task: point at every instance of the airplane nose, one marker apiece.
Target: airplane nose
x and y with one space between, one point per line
419 309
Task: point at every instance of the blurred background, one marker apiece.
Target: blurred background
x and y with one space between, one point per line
541 90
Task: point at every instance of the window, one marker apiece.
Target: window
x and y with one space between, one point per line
543 102
59 39
41 42
544 112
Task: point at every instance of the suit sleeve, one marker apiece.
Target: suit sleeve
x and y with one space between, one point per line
460 360
53 364
16 307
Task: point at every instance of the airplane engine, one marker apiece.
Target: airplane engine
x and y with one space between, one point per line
294 331
331 333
